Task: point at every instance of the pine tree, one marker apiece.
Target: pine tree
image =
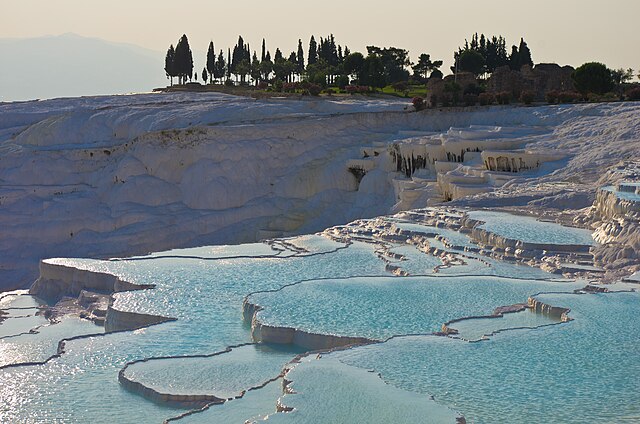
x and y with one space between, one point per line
169 64
211 62
312 57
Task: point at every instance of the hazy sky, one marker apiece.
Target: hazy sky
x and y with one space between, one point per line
564 31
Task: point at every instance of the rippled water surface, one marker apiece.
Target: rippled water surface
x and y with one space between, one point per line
527 368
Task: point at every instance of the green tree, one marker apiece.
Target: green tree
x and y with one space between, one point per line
169 64
471 61
255 68
373 72
353 64
425 66
243 68
220 67
622 76
394 61
312 57
266 67
183 60
593 77
205 74
211 62
300 59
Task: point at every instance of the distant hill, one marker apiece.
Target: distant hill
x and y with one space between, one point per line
70 65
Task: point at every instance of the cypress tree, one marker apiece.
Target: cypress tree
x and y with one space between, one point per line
183 59
169 64
525 54
264 51
204 75
211 62
300 58
228 63
312 57
220 67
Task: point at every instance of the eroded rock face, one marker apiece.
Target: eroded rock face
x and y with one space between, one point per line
540 79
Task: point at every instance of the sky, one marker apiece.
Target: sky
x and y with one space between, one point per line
563 31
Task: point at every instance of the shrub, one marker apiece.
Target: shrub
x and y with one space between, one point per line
486 99
504 97
329 91
633 94
470 99
315 89
473 89
433 100
357 89
552 96
229 83
262 85
278 85
289 87
418 103
568 96
446 100
527 97
400 86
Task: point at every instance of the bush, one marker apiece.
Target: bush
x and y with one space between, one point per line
486 99
433 100
552 97
418 103
278 85
400 86
357 89
289 87
329 91
262 85
633 94
504 97
527 97
229 83
470 99
315 89
446 100
568 96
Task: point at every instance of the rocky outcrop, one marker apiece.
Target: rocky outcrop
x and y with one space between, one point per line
540 79
554 311
437 88
286 335
117 320
57 280
60 282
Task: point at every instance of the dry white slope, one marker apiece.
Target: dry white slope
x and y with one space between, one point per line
122 175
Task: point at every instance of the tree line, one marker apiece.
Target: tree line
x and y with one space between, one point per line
326 63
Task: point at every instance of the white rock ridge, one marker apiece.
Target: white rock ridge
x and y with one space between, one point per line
124 175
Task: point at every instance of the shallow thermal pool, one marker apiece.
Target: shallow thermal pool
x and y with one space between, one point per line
529 362
530 230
